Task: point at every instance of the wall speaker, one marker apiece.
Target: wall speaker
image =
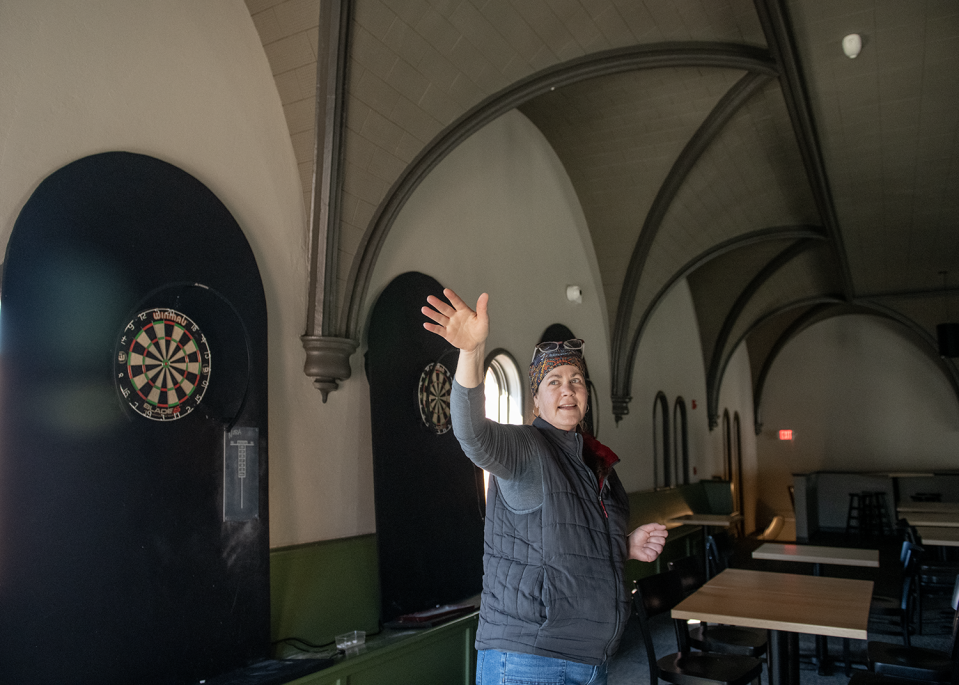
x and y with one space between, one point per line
948 334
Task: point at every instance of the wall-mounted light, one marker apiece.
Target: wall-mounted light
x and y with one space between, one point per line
852 45
574 294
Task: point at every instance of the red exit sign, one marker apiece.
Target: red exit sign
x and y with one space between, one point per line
785 435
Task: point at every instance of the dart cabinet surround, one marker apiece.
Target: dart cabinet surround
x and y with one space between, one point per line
430 506
133 453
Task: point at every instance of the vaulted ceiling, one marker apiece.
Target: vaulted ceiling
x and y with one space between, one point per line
727 142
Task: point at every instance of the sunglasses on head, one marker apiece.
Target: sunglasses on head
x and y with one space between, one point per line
547 348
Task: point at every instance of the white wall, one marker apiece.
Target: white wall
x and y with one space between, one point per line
736 396
499 215
859 396
186 82
669 360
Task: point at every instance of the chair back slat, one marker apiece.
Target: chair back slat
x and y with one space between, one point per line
660 593
719 550
690 571
655 595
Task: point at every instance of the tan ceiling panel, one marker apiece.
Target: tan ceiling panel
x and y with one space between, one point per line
618 136
749 179
888 122
718 284
811 275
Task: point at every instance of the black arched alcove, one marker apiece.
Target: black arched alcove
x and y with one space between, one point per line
429 496
125 556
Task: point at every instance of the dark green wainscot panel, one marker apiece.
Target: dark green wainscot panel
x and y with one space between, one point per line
442 656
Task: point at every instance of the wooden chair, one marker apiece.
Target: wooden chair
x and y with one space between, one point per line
773 529
657 595
928 665
715 638
933 580
899 609
719 550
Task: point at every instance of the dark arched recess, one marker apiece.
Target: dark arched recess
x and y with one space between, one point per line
661 412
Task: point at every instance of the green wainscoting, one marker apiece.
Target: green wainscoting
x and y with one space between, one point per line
320 590
438 656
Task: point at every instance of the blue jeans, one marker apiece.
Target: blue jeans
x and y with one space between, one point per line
494 667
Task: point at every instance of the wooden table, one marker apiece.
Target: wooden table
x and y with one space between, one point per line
939 535
706 520
928 507
936 518
817 556
786 604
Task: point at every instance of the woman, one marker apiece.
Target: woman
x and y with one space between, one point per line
554 601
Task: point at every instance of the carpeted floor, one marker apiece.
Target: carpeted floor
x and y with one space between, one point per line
631 667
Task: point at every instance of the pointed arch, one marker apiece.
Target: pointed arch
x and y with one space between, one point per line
721 351
661 428
674 54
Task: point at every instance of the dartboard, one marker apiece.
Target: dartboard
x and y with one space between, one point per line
163 364
434 397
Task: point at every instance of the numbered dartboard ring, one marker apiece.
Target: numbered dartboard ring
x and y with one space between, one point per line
163 364
434 397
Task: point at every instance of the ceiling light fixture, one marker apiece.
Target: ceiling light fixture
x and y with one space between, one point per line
852 45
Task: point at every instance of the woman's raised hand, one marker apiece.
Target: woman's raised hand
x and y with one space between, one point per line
459 325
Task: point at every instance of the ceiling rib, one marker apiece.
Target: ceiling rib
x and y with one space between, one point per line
779 37
720 356
819 305
671 54
622 351
930 346
751 238
825 309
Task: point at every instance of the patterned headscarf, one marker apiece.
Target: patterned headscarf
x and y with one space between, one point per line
544 363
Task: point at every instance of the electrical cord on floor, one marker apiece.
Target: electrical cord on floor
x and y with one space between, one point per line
327 649
309 646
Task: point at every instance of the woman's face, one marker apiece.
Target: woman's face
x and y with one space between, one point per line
562 397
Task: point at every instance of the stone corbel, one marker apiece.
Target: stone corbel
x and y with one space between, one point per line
621 406
327 361
327 354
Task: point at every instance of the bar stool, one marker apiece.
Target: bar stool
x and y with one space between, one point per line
853 523
875 514
885 523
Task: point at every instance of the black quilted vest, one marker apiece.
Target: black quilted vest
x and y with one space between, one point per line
553 580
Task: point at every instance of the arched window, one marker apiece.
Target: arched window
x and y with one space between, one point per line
661 441
727 447
680 442
737 462
504 389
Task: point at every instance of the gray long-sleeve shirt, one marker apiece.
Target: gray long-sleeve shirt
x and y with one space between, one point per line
506 451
